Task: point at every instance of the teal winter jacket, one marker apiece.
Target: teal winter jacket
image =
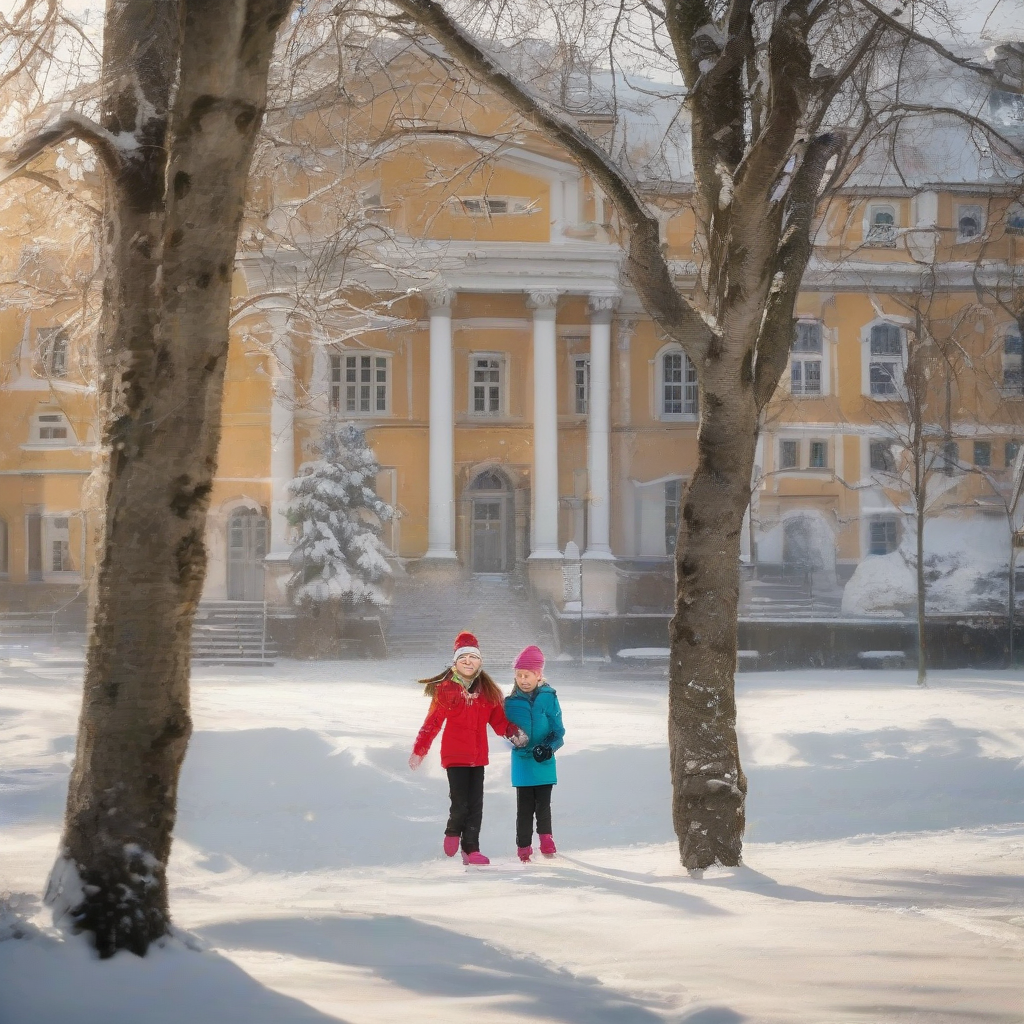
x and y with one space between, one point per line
541 720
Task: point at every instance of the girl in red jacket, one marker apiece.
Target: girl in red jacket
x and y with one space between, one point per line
464 700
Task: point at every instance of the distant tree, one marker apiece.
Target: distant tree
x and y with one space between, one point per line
339 557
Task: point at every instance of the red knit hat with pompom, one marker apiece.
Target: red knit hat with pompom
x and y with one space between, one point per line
465 643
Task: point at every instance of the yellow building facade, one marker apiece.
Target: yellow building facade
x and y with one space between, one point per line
477 322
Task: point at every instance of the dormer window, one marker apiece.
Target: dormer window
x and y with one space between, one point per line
881 225
970 222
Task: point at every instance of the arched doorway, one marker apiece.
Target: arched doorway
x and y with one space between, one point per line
247 547
490 522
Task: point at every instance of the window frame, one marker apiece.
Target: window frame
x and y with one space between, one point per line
890 461
337 395
783 443
1014 212
983 448
875 238
1010 449
502 411
811 444
868 360
802 356
1012 362
50 420
963 210
689 387
488 206
49 341
578 362
884 521
949 457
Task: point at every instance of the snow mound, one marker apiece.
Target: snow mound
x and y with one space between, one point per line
881 586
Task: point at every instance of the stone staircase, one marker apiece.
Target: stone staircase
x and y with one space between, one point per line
231 633
429 610
790 598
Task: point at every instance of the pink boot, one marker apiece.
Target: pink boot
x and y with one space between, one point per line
525 853
451 845
547 845
476 857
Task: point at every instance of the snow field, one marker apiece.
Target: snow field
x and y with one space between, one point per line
882 879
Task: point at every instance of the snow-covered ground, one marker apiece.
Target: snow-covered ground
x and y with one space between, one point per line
882 878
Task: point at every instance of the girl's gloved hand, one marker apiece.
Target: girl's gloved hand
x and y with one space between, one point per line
519 738
542 752
415 760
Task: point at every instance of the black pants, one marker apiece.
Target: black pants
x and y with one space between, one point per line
530 801
466 787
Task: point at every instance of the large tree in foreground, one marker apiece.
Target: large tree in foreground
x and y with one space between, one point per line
183 96
778 99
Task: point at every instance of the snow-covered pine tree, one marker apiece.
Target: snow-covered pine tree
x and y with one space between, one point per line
339 558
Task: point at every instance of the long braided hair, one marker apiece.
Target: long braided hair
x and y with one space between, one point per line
487 687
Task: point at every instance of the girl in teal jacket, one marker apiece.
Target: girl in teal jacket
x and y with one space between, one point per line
533 706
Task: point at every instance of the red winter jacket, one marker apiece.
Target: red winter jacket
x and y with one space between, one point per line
464 743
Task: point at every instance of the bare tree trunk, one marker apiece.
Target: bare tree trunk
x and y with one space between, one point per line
922 657
708 784
173 229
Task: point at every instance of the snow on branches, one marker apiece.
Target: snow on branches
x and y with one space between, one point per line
339 556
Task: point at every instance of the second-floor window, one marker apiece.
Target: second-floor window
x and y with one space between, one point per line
983 454
817 455
789 454
805 361
1010 449
950 457
359 383
581 385
880 454
51 428
885 366
679 393
1015 219
486 387
1013 355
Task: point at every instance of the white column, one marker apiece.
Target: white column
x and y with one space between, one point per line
545 426
441 495
599 427
282 431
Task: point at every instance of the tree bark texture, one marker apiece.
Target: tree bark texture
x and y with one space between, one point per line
708 784
171 231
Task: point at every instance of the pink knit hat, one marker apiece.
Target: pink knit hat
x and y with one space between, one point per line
531 658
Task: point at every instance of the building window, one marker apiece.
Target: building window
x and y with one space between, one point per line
1013 371
1015 219
883 535
359 383
885 366
679 392
52 351
60 545
818 455
805 361
881 226
880 453
51 428
970 220
789 454
1010 450
581 385
950 457
487 389
491 206
673 503
983 454
4 565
